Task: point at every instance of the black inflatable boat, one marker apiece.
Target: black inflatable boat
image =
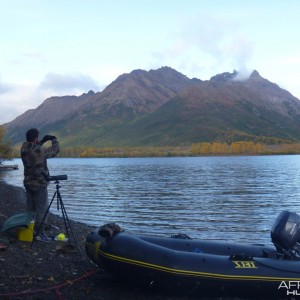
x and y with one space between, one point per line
203 268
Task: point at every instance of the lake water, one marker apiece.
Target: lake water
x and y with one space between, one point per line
225 198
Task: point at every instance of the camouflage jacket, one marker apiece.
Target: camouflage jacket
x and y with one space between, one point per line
34 157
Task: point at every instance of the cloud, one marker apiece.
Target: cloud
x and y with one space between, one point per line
35 56
66 83
5 88
209 45
8 113
18 98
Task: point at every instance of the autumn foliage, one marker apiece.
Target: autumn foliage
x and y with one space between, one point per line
197 149
5 148
249 148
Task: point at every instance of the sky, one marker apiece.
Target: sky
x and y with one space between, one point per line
68 47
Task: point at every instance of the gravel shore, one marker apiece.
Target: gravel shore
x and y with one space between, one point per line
40 271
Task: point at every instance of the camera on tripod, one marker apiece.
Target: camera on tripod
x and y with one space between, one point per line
57 178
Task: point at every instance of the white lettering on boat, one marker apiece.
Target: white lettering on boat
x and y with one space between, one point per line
244 264
292 287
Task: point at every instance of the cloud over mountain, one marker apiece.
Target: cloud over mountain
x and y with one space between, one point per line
67 82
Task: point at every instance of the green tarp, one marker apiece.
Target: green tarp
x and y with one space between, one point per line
19 220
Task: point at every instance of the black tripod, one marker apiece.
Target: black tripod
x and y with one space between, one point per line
61 205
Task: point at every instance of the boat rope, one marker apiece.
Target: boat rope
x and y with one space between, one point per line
56 288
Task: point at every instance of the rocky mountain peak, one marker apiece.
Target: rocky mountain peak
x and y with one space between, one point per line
224 77
141 91
255 74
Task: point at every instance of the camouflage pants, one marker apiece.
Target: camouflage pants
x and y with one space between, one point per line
37 202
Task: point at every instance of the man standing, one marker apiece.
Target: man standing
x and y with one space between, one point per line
34 157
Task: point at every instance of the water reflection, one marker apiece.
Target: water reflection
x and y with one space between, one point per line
228 198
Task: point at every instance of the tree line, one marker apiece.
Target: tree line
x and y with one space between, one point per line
244 148
196 149
7 152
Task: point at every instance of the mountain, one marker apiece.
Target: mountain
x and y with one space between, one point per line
165 107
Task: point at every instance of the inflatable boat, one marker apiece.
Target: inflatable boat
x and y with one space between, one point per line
203 268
